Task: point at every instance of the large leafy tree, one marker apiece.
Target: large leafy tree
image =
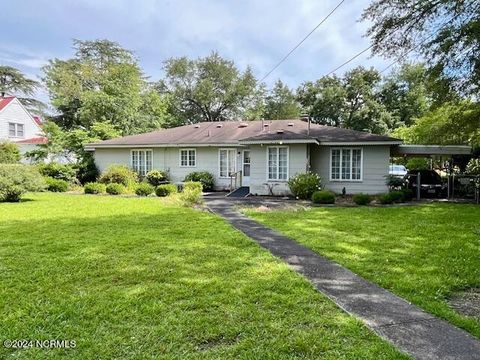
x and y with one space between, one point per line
446 33
281 103
103 83
450 124
207 89
351 101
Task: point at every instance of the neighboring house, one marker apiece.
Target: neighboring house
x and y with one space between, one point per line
260 155
18 125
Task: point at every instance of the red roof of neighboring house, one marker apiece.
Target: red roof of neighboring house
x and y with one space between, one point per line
37 119
4 101
34 140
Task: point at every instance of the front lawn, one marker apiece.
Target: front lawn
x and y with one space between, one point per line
422 253
136 278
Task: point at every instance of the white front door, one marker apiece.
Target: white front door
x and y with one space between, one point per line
246 168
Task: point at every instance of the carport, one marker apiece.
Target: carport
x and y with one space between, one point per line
447 154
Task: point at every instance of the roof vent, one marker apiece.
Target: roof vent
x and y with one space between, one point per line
196 126
219 125
242 125
280 131
290 124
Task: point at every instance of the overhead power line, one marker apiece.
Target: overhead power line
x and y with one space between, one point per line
350 60
302 41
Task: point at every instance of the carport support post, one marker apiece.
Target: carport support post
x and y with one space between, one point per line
418 186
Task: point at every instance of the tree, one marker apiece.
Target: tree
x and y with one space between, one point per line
281 103
13 82
446 33
450 124
103 83
351 101
9 153
207 89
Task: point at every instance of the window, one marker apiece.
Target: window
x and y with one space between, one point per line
346 164
277 163
141 161
188 158
15 130
227 162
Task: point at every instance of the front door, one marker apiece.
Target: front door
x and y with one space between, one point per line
246 168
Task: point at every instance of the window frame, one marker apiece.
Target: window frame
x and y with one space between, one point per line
188 158
145 161
16 131
219 162
341 149
277 179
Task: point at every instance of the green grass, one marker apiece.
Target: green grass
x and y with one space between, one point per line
140 279
422 253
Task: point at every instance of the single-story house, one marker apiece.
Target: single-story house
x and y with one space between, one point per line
258 155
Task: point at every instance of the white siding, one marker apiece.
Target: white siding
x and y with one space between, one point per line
375 168
167 159
16 113
298 159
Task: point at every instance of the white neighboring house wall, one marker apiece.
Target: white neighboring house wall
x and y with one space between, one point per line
375 162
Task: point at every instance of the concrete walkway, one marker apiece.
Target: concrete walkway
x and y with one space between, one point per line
406 326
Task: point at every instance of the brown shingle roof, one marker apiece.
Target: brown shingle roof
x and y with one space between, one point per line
231 132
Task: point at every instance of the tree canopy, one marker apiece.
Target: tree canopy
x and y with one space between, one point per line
446 33
281 103
103 83
207 89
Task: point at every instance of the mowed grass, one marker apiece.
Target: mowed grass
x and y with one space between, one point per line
422 253
134 278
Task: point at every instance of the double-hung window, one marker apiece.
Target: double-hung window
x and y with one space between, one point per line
141 161
15 130
346 164
277 163
188 157
227 162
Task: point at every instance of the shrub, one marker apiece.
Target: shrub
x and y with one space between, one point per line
205 178
473 167
94 188
56 185
323 197
191 194
9 153
118 174
156 177
386 198
115 189
16 179
407 194
394 182
304 185
144 189
417 164
165 189
58 171
397 196
362 199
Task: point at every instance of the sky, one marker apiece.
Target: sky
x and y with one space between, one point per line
249 32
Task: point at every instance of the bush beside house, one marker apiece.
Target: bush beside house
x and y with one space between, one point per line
119 174
156 177
205 178
94 188
56 185
323 197
165 190
9 153
144 189
115 189
304 185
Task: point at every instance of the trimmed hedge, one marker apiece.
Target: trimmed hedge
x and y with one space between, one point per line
304 185
144 189
205 178
56 185
156 177
362 199
165 190
323 197
94 188
115 189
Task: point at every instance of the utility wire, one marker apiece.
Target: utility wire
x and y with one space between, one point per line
302 41
350 60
